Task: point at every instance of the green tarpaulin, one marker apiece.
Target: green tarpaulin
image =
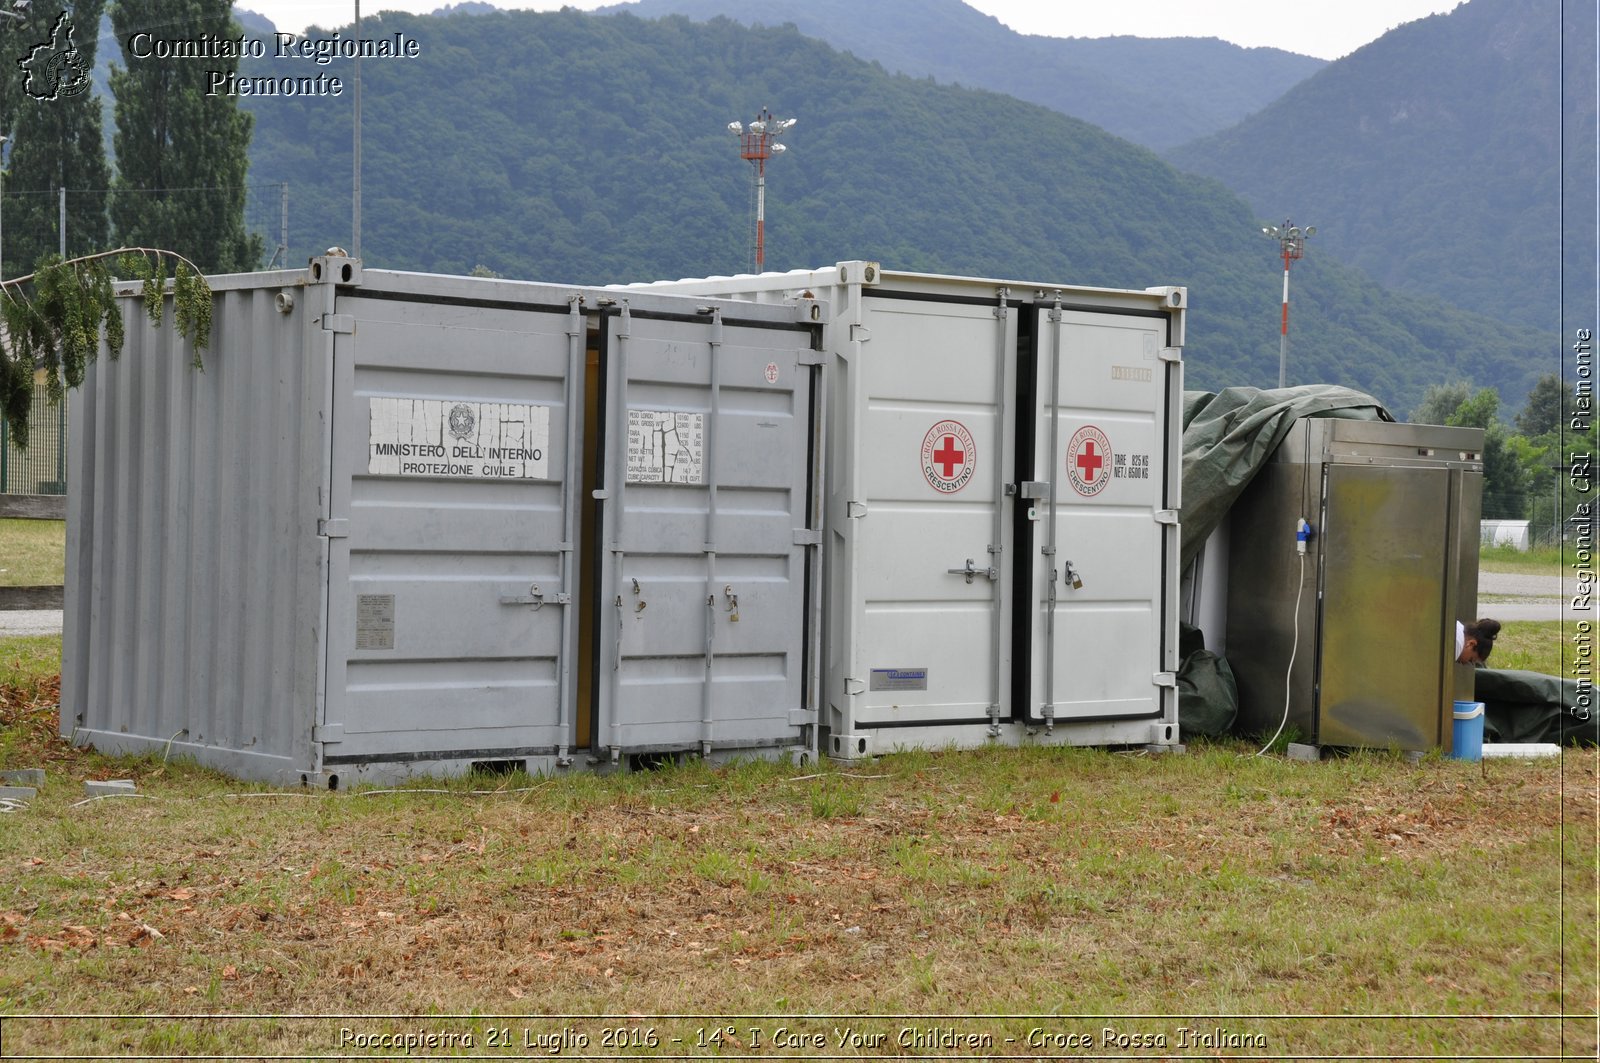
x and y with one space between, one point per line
1228 435
1534 707
1208 696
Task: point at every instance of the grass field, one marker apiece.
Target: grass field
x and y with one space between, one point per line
1078 882
1362 906
1550 560
1538 646
33 553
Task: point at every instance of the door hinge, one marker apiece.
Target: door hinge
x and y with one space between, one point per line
335 528
855 509
808 537
342 323
859 333
1171 354
810 357
1164 679
808 311
327 733
1166 516
852 687
1029 489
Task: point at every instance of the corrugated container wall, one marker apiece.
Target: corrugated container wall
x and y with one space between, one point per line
405 523
195 578
1003 484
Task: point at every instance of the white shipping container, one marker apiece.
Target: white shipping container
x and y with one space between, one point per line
1002 488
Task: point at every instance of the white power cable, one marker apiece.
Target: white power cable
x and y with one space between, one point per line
1294 648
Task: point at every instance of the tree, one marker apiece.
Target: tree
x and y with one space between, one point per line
1479 410
181 154
55 320
1505 456
50 110
1560 433
1548 407
1440 402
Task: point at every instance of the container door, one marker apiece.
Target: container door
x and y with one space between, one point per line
928 523
1385 629
1104 538
451 535
708 460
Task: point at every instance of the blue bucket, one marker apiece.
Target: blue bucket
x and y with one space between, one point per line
1467 739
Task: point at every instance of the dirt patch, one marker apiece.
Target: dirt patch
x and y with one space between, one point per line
29 722
1448 816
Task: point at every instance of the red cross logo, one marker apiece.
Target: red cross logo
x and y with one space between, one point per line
948 458
1089 462
1087 455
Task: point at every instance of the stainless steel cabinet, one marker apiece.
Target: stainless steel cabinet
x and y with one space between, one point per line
1357 635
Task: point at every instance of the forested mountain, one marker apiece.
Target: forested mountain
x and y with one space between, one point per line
1155 91
1432 158
579 148
253 23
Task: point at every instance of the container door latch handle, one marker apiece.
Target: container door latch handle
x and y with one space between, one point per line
536 598
971 571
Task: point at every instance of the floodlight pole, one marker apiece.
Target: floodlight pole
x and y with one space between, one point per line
1292 238
757 144
8 141
355 150
4 140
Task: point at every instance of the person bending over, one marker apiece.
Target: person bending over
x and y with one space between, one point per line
1475 641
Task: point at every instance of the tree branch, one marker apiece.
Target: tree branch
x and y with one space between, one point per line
19 281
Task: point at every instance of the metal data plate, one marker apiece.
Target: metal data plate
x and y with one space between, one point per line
898 679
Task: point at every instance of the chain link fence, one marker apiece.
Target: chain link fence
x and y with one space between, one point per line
42 468
37 222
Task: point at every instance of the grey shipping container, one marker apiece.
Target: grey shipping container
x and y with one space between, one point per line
1003 484
407 523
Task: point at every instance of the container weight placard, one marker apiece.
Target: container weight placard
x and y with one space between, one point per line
374 621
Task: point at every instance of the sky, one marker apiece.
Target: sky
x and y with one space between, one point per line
1327 29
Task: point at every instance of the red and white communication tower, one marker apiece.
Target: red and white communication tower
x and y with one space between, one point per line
758 142
1293 239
